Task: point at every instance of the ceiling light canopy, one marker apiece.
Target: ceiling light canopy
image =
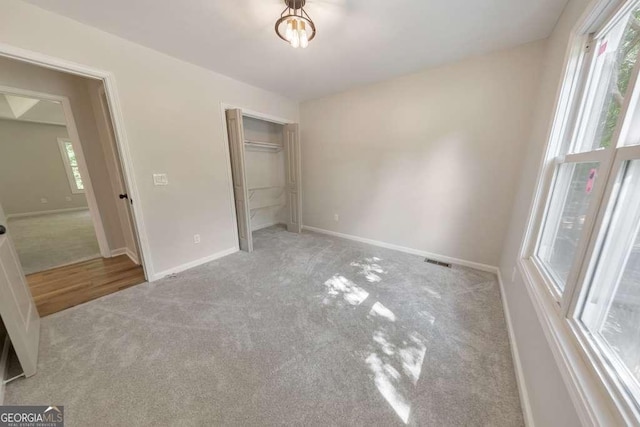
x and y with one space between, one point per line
295 26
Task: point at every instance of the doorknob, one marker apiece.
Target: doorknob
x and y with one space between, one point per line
124 196
3 229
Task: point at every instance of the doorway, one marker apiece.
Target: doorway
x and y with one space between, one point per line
73 227
43 191
265 165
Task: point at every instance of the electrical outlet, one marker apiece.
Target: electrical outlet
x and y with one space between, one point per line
336 217
44 200
68 198
196 238
160 179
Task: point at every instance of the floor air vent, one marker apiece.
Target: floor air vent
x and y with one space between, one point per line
436 262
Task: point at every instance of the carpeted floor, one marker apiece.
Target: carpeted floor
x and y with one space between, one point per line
52 240
307 330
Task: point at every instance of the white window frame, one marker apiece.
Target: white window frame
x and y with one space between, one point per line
592 382
67 165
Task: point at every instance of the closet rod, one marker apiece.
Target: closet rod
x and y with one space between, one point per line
265 188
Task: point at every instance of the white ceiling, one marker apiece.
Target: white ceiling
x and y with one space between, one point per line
358 41
31 110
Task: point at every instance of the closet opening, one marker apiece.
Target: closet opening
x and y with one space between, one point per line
265 169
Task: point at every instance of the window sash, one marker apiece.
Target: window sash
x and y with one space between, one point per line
608 365
551 215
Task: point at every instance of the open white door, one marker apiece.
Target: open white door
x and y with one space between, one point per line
17 308
116 174
236 148
293 182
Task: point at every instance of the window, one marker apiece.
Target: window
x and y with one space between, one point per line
71 165
585 244
611 309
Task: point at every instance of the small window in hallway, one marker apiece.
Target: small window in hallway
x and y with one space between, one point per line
71 165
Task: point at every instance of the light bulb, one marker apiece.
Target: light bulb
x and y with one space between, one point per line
295 37
295 40
289 32
304 39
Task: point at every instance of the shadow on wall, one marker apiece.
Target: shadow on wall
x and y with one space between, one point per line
393 354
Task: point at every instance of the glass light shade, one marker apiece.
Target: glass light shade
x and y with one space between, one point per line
289 32
295 40
295 36
304 39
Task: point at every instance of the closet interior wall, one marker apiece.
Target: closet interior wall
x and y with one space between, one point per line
265 172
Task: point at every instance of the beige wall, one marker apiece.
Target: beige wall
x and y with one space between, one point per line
172 117
550 401
426 161
31 168
21 75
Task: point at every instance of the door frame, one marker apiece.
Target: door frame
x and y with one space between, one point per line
74 137
122 142
227 154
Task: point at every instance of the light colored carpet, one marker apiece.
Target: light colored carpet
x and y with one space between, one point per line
52 240
307 330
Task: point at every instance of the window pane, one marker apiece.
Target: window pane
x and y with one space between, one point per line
77 177
611 309
71 154
565 218
73 162
616 55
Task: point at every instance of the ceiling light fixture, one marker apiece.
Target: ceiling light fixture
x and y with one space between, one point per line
295 26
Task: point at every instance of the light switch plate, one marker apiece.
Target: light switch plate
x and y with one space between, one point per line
160 179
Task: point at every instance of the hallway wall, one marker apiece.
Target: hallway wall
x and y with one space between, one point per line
31 168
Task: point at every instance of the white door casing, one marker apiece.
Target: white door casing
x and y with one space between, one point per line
238 175
17 308
292 176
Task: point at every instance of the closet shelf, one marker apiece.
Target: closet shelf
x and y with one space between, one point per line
270 205
262 146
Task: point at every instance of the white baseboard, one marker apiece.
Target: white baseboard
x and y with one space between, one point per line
515 355
126 251
4 365
75 261
118 252
443 258
54 211
133 256
192 264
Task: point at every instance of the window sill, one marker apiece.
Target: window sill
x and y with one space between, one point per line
594 404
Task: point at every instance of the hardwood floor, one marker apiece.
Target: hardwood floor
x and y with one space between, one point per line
64 287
